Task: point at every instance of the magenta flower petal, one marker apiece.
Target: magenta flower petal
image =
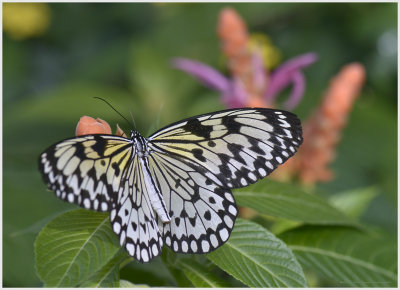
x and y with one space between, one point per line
236 96
285 75
207 75
259 72
299 84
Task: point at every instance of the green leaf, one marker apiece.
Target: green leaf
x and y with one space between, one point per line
73 247
348 257
108 276
289 202
200 276
354 202
257 258
128 284
171 260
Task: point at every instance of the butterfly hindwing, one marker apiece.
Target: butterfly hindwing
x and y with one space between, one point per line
202 212
133 219
238 146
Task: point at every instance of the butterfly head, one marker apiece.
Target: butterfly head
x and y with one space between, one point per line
134 134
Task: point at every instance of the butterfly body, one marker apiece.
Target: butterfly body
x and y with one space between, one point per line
173 187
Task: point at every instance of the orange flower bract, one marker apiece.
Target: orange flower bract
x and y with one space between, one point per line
88 125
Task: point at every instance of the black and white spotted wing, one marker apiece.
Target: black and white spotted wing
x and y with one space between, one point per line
237 146
102 173
174 186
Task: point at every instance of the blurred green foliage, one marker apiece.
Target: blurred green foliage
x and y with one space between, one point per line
121 52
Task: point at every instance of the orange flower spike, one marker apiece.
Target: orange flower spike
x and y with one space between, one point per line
88 125
323 129
234 38
233 32
235 43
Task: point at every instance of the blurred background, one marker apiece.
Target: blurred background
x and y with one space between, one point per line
57 57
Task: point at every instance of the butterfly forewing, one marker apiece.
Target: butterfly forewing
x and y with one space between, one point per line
238 146
86 170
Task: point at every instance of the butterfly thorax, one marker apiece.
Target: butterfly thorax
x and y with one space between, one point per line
140 144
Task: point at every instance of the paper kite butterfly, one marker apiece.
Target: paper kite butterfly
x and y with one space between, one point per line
173 187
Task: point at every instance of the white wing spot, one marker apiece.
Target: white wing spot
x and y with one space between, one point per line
262 171
71 197
122 238
252 176
154 249
117 228
145 255
224 234
112 214
86 203
205 246
185 246
214 240
168 241
232 210
278 159
131 249
229 197
193 246
104 206
228 221
96 204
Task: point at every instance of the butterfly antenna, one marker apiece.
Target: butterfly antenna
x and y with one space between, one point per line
130 125
133 120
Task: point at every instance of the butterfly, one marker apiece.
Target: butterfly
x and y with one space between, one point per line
173 187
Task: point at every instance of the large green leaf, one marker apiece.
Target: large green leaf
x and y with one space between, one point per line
199 275
346 256
257 258
128 284
74 247
354 202
108 276
289 202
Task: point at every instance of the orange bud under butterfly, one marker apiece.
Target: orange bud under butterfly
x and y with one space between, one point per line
88 125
